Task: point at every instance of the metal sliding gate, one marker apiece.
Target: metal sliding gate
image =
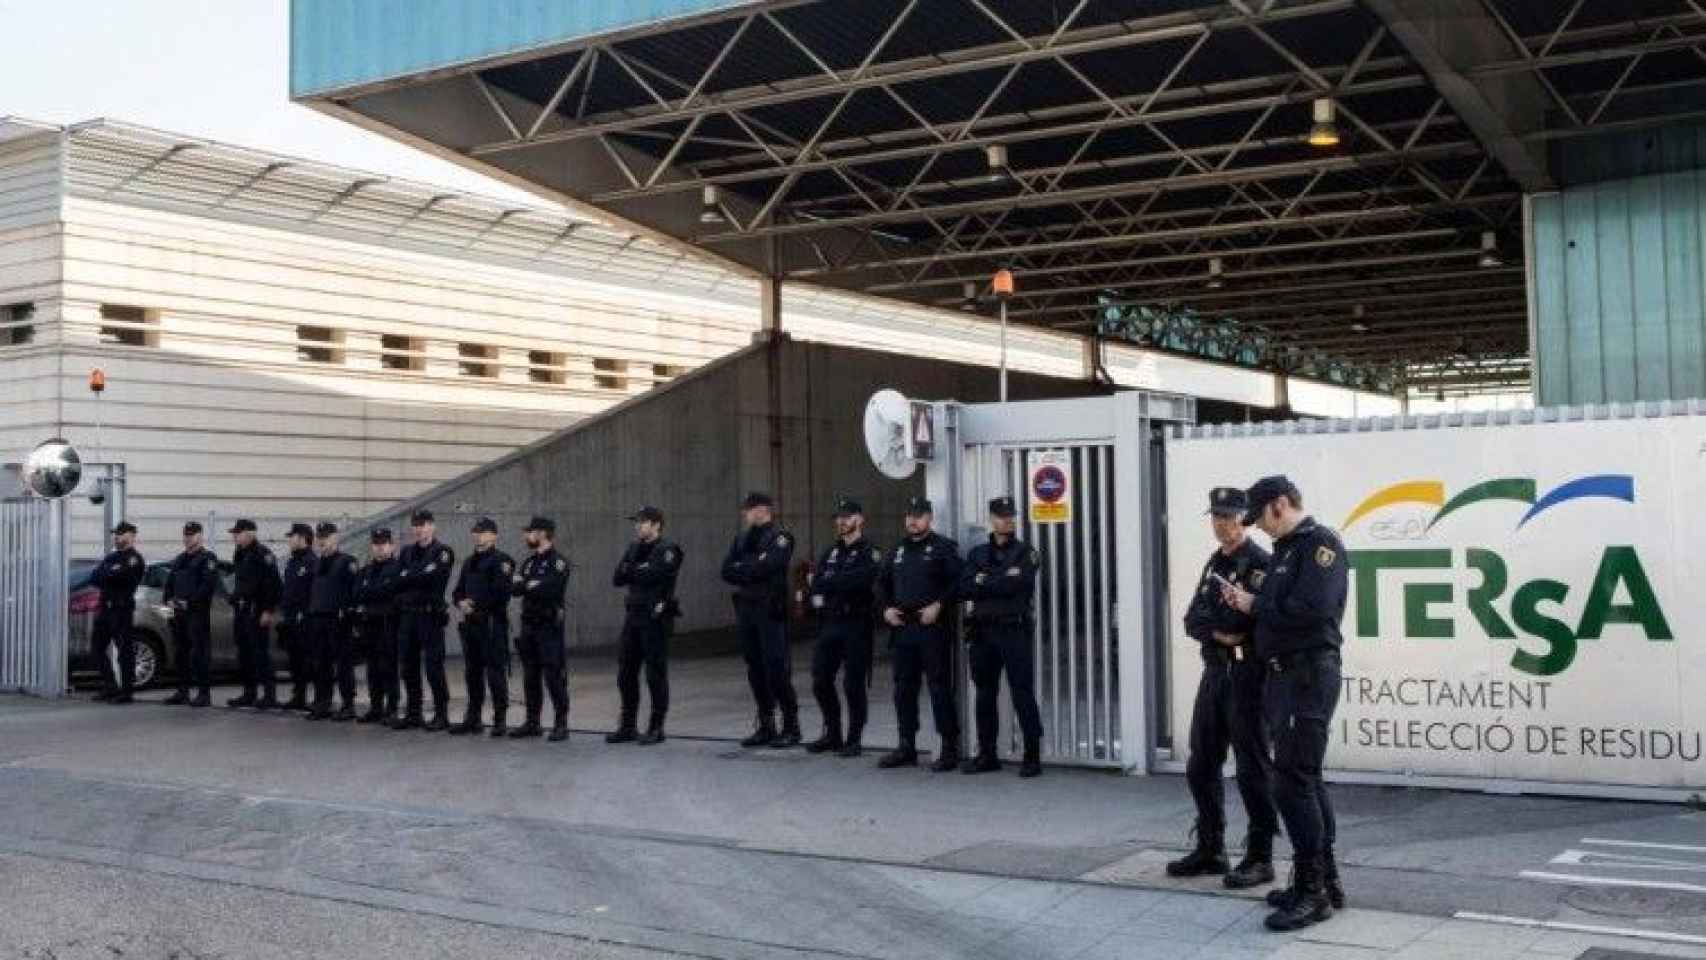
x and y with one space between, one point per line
1098 582
33 626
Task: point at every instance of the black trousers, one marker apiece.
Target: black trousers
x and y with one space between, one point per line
769 667
293 637
191 647
1301 699
544 669
644 643
485 663
997 649
113 625
379 648
842 645
1228 716
334 659
925 655
420 638
254 660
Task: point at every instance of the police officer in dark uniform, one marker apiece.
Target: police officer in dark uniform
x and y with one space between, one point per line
331 600
1298 609
1228 711
916 584
189 593
542 583
842 595
376 619
757 567
298 584
648 569
482 594
117 578
998 586
423 570
254 601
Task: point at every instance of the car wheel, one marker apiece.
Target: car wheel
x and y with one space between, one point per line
150 657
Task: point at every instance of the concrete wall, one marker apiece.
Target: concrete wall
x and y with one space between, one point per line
694 448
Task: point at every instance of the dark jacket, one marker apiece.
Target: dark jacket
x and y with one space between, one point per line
422 574
333 590
757 567
999 580
920 571
118 576
1302 598
1209 614
542 583
843 587
485 581
374 583
649 571
298 582
194 579
256 582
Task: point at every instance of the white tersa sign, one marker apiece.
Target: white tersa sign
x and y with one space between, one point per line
1525 603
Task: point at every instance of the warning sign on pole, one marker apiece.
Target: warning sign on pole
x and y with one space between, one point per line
1050 473
922 437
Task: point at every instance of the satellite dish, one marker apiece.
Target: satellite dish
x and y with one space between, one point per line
53 469
887 416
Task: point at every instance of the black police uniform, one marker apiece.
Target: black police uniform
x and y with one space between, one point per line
842 591
255 590
485 582
1228 713
999 586
757 567
649 570
422 573
542 583
189 592
918 572
376 619
330 602
298 583
118 576
1298 611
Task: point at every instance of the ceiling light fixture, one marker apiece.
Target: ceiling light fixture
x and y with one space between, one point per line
996 155
1215 270
1356 319
1324 132
1490 251
968 302
711 207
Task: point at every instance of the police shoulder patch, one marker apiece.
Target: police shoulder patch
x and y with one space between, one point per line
669 556
444 556
834 554
1032 555
135 560
1257 578
1324 556
560 565
507 566
876 555
781 539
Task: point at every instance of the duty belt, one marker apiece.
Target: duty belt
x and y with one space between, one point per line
1297 658
1217 654
417 607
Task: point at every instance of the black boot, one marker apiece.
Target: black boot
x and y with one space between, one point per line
1330 880
624 732
268 702
373 715
438 723
1280 896
948 759
202 699
985 762
529 729
763 734
498 728
1032 765
246 700
831 739
1207 859
560 728
654 732
297 702
177 699
470 724
1307 903
852 747
345 713
1257 867
905 755
790 735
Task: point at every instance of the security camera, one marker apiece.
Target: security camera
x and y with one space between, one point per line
97 498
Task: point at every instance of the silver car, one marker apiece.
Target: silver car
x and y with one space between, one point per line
152 630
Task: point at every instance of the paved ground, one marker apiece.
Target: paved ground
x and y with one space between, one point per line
162 832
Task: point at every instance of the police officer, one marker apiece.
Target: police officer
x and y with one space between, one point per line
423 570
331 600
648 569
376 618
1297 611
917 584
757 567
189 593
998 585
254 601
293 635
542 583
841 591
117 577
1228 711
482 594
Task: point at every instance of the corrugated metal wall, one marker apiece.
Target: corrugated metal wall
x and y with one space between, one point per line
1620 275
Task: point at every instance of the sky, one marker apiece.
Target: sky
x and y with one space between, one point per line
213 69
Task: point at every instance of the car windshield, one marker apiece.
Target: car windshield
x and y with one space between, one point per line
157 575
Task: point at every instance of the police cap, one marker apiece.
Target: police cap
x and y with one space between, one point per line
542 524
1266 491
847 507
919 506
650 513
125 527
243 526
1003 507
302 530
191 528
1227 502
380 535
420 518
757 499
485 525
326 529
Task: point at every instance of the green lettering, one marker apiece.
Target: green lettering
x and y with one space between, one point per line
1417 624
1366 566
1525 611
1621 565
1480 599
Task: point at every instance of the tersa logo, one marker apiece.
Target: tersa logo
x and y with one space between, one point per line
1430 609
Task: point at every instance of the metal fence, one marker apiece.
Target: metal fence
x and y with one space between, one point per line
33 628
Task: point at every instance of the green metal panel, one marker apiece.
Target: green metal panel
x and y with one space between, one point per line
1620 290
338 44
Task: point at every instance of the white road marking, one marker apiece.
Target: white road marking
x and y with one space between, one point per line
1547 877
1679 847
1625 861
1633 934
